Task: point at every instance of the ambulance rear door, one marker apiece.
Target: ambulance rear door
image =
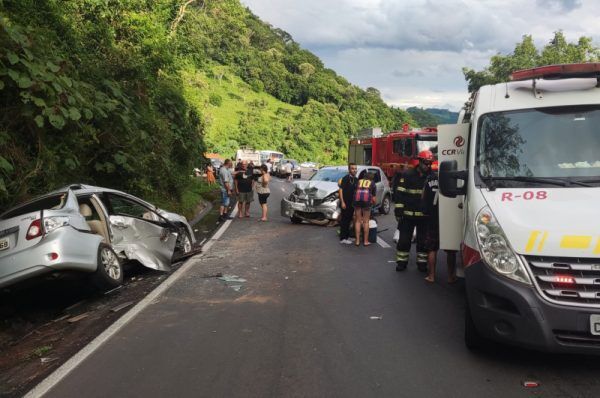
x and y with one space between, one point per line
453 142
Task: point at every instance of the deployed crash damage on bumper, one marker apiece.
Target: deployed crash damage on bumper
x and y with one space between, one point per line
317 200
314 201
89 229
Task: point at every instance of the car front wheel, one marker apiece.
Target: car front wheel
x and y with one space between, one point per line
386 205
109 271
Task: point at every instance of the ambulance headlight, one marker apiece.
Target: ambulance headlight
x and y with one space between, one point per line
495 249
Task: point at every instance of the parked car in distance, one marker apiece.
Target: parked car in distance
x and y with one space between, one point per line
309 165
316 200
281 170
92 230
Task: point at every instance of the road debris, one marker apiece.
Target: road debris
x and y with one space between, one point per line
62 318
78 317
376 317
217 275
232 278
531 384
121 306
113 290
236 287
48 359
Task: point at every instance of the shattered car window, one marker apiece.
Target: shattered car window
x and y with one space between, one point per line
54 202
128 207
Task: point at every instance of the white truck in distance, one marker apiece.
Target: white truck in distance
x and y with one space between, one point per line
520 185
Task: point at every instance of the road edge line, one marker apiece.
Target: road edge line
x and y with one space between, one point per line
382 243
62 371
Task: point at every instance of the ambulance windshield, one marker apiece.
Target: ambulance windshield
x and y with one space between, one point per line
560 142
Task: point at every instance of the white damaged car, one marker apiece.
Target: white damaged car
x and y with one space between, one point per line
316 200
92 230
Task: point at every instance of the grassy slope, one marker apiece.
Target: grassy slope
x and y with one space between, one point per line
239 102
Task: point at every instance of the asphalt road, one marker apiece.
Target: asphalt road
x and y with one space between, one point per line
301 326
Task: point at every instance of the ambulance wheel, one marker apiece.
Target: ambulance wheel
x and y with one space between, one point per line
386 205
473 340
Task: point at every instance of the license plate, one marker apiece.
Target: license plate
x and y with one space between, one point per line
595 324
4 243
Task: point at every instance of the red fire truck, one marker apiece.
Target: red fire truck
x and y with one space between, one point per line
393 151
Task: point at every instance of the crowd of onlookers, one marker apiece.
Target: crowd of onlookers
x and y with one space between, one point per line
242 183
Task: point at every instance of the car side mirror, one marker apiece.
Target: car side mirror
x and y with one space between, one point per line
449 176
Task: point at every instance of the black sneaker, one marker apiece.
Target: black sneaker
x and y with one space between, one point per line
400 267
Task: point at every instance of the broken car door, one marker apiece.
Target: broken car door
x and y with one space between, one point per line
140 233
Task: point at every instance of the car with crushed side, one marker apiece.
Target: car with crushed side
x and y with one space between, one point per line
89 229
317 200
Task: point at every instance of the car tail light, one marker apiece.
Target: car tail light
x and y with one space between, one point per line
35 230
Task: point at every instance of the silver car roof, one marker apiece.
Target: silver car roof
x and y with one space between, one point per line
79 189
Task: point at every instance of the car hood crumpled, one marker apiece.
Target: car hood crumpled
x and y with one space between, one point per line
314 189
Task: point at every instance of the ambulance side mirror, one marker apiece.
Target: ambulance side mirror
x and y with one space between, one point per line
449 176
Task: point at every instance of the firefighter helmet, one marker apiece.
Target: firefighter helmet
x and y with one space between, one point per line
426 155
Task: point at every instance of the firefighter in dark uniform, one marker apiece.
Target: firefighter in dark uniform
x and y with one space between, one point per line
409 209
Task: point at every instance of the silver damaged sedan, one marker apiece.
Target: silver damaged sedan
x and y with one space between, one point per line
92 230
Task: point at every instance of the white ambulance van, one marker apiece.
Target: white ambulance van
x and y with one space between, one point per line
520 185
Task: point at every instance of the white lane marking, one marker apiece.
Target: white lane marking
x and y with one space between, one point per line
59 374
382 243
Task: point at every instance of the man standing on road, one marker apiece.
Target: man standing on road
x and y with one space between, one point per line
408 198
244 188
432 235
347 188
226 183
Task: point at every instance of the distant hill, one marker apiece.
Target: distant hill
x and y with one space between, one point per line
432 116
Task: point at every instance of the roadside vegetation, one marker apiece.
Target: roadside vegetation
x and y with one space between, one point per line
130 93
526 55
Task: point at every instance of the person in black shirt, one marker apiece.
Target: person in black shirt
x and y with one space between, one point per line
347 187
244 189
432 230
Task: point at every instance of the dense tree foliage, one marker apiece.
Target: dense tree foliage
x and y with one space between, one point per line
526 55
91 93
129 93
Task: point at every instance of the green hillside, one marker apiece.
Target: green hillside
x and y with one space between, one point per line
130 93
432 116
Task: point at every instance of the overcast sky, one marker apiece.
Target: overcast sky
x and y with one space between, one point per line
413 50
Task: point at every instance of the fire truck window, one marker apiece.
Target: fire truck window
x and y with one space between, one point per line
408 148
398 146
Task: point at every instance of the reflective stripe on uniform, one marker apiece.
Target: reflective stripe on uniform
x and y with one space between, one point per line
413 213
421 257
410 191
399 205
402 256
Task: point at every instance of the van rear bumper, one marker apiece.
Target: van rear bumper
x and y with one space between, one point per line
510 312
